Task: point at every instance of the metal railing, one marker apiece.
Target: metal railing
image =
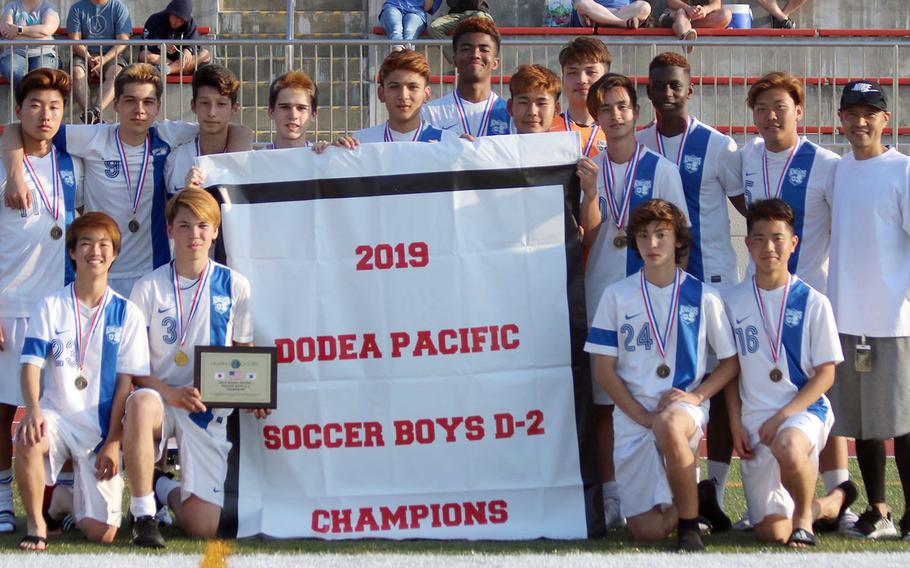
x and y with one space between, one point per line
722 69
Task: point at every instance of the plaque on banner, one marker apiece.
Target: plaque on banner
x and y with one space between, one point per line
237 377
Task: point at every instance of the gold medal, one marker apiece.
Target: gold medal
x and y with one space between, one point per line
81 382
663 371
181 359
776 375
56 232
133 226
620 240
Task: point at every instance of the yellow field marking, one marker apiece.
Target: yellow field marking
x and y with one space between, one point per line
216 554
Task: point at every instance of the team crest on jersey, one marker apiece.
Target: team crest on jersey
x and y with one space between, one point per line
797 175
222 304
793 317
159 151
691 163
498 127
112 333
642 187
688 314
112 168
601 145
68 177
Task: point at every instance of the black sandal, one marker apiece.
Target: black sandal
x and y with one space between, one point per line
801 537
34 540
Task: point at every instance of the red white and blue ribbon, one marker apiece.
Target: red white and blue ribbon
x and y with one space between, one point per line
146 154
662 340
774 341
82 343
766 177
484 118
595 128
620 210
52 203
682 143
183 327
387 133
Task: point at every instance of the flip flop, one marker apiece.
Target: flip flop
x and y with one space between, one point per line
690 35
39 543
801 537
633 23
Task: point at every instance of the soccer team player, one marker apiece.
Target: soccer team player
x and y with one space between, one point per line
654 222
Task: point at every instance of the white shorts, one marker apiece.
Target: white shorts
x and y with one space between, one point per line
10 368
122 286
203 450
640 469
765 494
93 499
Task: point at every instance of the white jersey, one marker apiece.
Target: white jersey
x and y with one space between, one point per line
32 263
222 318
118 345
808 339
622 329
487 118
869 283
107 190
425 133
656 177
710 172
807 186
178 163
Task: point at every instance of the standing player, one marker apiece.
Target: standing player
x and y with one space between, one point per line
779 163
191 301
33 259
623 177
293 98
788 349
649 339
472 108
868 283
708 165
94 341
535 99
583 61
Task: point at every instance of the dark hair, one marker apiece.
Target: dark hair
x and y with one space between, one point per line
93 220
602 86
217 77
669 59
777 80
44 79
585 49
662 211
769 210
140 74
476 24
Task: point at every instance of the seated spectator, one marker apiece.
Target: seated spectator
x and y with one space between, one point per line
28 19
406 19
629 14
683 15
97 20
780 17
175 22
443 26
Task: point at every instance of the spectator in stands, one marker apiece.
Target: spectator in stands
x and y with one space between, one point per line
406 19
28 19
97 20
443 26
780 17
683 15
629 14
174 23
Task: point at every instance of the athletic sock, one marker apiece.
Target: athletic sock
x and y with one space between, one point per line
163 488
834 477
65 478
870 455
6 490
902 460
611 490
717 474
687 525
143 506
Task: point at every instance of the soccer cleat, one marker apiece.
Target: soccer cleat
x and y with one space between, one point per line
709 509
905 527
846 522
7 522
872 525
744 523
689 541
146 533
613 518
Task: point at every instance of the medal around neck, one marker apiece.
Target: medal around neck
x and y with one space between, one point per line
620 240
663 371
80 382
181 358
56 232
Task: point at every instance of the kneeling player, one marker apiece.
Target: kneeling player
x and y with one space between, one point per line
788 348
191 301
95 342
650 337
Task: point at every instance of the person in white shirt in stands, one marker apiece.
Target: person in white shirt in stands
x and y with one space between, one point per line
780 418
472 108
90 342
649 340
868 285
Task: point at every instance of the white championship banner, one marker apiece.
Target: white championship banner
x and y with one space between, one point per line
426 301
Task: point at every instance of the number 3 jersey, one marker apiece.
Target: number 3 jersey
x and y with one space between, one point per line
118 345
621 328
222 316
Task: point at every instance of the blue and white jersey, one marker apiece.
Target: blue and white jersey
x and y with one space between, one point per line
118 345
222 318
178 163
709 166
486 118
425 133
808 187
32 263
808 339
656 177
622 329
106 187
